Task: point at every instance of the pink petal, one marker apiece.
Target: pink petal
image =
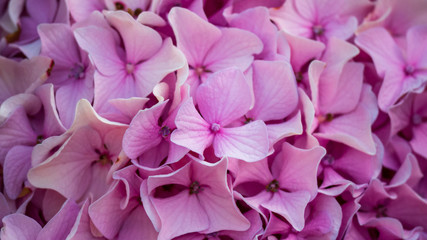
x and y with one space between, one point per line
140 42
22 77
379 44
273 102
303 50
103 53
60 225
69 170
235 48
137 226
16 166
143 132
222 212
180 214
16 130
224 97
296 168
57 42
150 72
194 35
349 90
192 132
18 226
416 38
82 225
106 213
419 140
248 142
52 125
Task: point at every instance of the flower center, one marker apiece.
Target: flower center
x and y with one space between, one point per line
328 159
273 186
195 188
215 127
165 131
77 72
130 68
40 139
325 118
318 30
409 70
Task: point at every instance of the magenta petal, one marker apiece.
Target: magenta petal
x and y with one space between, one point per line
16 166
143 132
18 226
192 132
194 35
224 97
248 142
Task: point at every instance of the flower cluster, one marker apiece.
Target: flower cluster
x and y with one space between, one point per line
213 119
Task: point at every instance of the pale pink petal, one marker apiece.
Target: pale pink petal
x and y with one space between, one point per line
16 130
143 132
417 46
194 35
180 215
235 48
275 90
81 10
150 72
57 42
379 44
192 132
22 77
349 90
248 142
15 169
69 170
18 226
103 53
296 168
289 205
352 129
106 213
52 125
224 97
222 212
81 228
140 42
60 225
303 50
391 89
137 226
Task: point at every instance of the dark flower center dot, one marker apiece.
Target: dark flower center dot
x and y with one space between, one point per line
215 127
273 186
328 159
409 70
77 71
195 188
165 131
119 6
39 139
130 68
318 30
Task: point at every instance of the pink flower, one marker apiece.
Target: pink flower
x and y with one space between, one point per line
222 99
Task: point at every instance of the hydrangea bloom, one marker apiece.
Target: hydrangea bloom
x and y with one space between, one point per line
213 119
